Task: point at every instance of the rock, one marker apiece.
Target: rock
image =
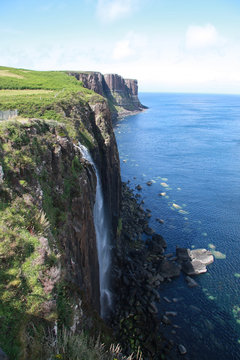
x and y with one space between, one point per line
194 267
166 320
3 356
191 282
1 174
162 194
160 221
194 262
149 183
148 230
169 269
160 240
182 349
149 215
153 308
194 308
138 187
203 255
171 313
167 299
183 254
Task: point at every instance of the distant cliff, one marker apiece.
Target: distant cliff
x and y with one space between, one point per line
122 94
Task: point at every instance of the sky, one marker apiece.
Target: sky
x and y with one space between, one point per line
167 45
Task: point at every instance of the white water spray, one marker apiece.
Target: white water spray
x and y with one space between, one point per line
102 237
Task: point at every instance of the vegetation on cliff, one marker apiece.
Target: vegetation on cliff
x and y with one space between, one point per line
49 268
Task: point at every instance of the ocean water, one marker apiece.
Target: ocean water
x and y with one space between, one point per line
189 146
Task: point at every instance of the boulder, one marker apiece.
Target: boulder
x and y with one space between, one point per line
191 282
203 255
194 267
183 254
167 299
160 240
166 320
149 183
138 187
169 269
194 262
182 349
161 221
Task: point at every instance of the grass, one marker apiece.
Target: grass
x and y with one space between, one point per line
8 73
6 93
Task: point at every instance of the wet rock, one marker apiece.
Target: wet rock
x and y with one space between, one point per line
167 299
138 187
194 308
182 350
191 282
153 308
160 221
162 194
194 262
149 183
166 320
148 230
183 254
203 255
169 269
194 267
160 240
171 313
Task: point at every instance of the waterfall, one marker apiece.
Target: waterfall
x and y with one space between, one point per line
102 237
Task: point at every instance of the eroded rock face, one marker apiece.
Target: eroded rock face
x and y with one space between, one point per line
91 80
119 91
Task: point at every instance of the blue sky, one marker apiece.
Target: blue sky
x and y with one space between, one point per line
168 45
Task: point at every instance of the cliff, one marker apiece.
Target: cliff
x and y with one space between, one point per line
49 263
122 94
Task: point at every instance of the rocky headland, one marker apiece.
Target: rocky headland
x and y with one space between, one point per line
121 94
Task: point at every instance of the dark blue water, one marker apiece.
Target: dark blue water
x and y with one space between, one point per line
189 146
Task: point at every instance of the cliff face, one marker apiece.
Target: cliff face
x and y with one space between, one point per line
121 93
45 180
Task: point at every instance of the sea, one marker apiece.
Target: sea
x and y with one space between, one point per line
188 145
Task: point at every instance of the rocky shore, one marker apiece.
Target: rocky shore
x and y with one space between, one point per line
140 266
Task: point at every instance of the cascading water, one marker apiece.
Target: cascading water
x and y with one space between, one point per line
102 237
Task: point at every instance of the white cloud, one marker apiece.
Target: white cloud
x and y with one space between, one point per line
122 50
111 10
132 44
200 37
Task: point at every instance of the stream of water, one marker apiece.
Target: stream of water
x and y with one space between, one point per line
102 237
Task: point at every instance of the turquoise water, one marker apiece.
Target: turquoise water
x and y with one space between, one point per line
189 146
